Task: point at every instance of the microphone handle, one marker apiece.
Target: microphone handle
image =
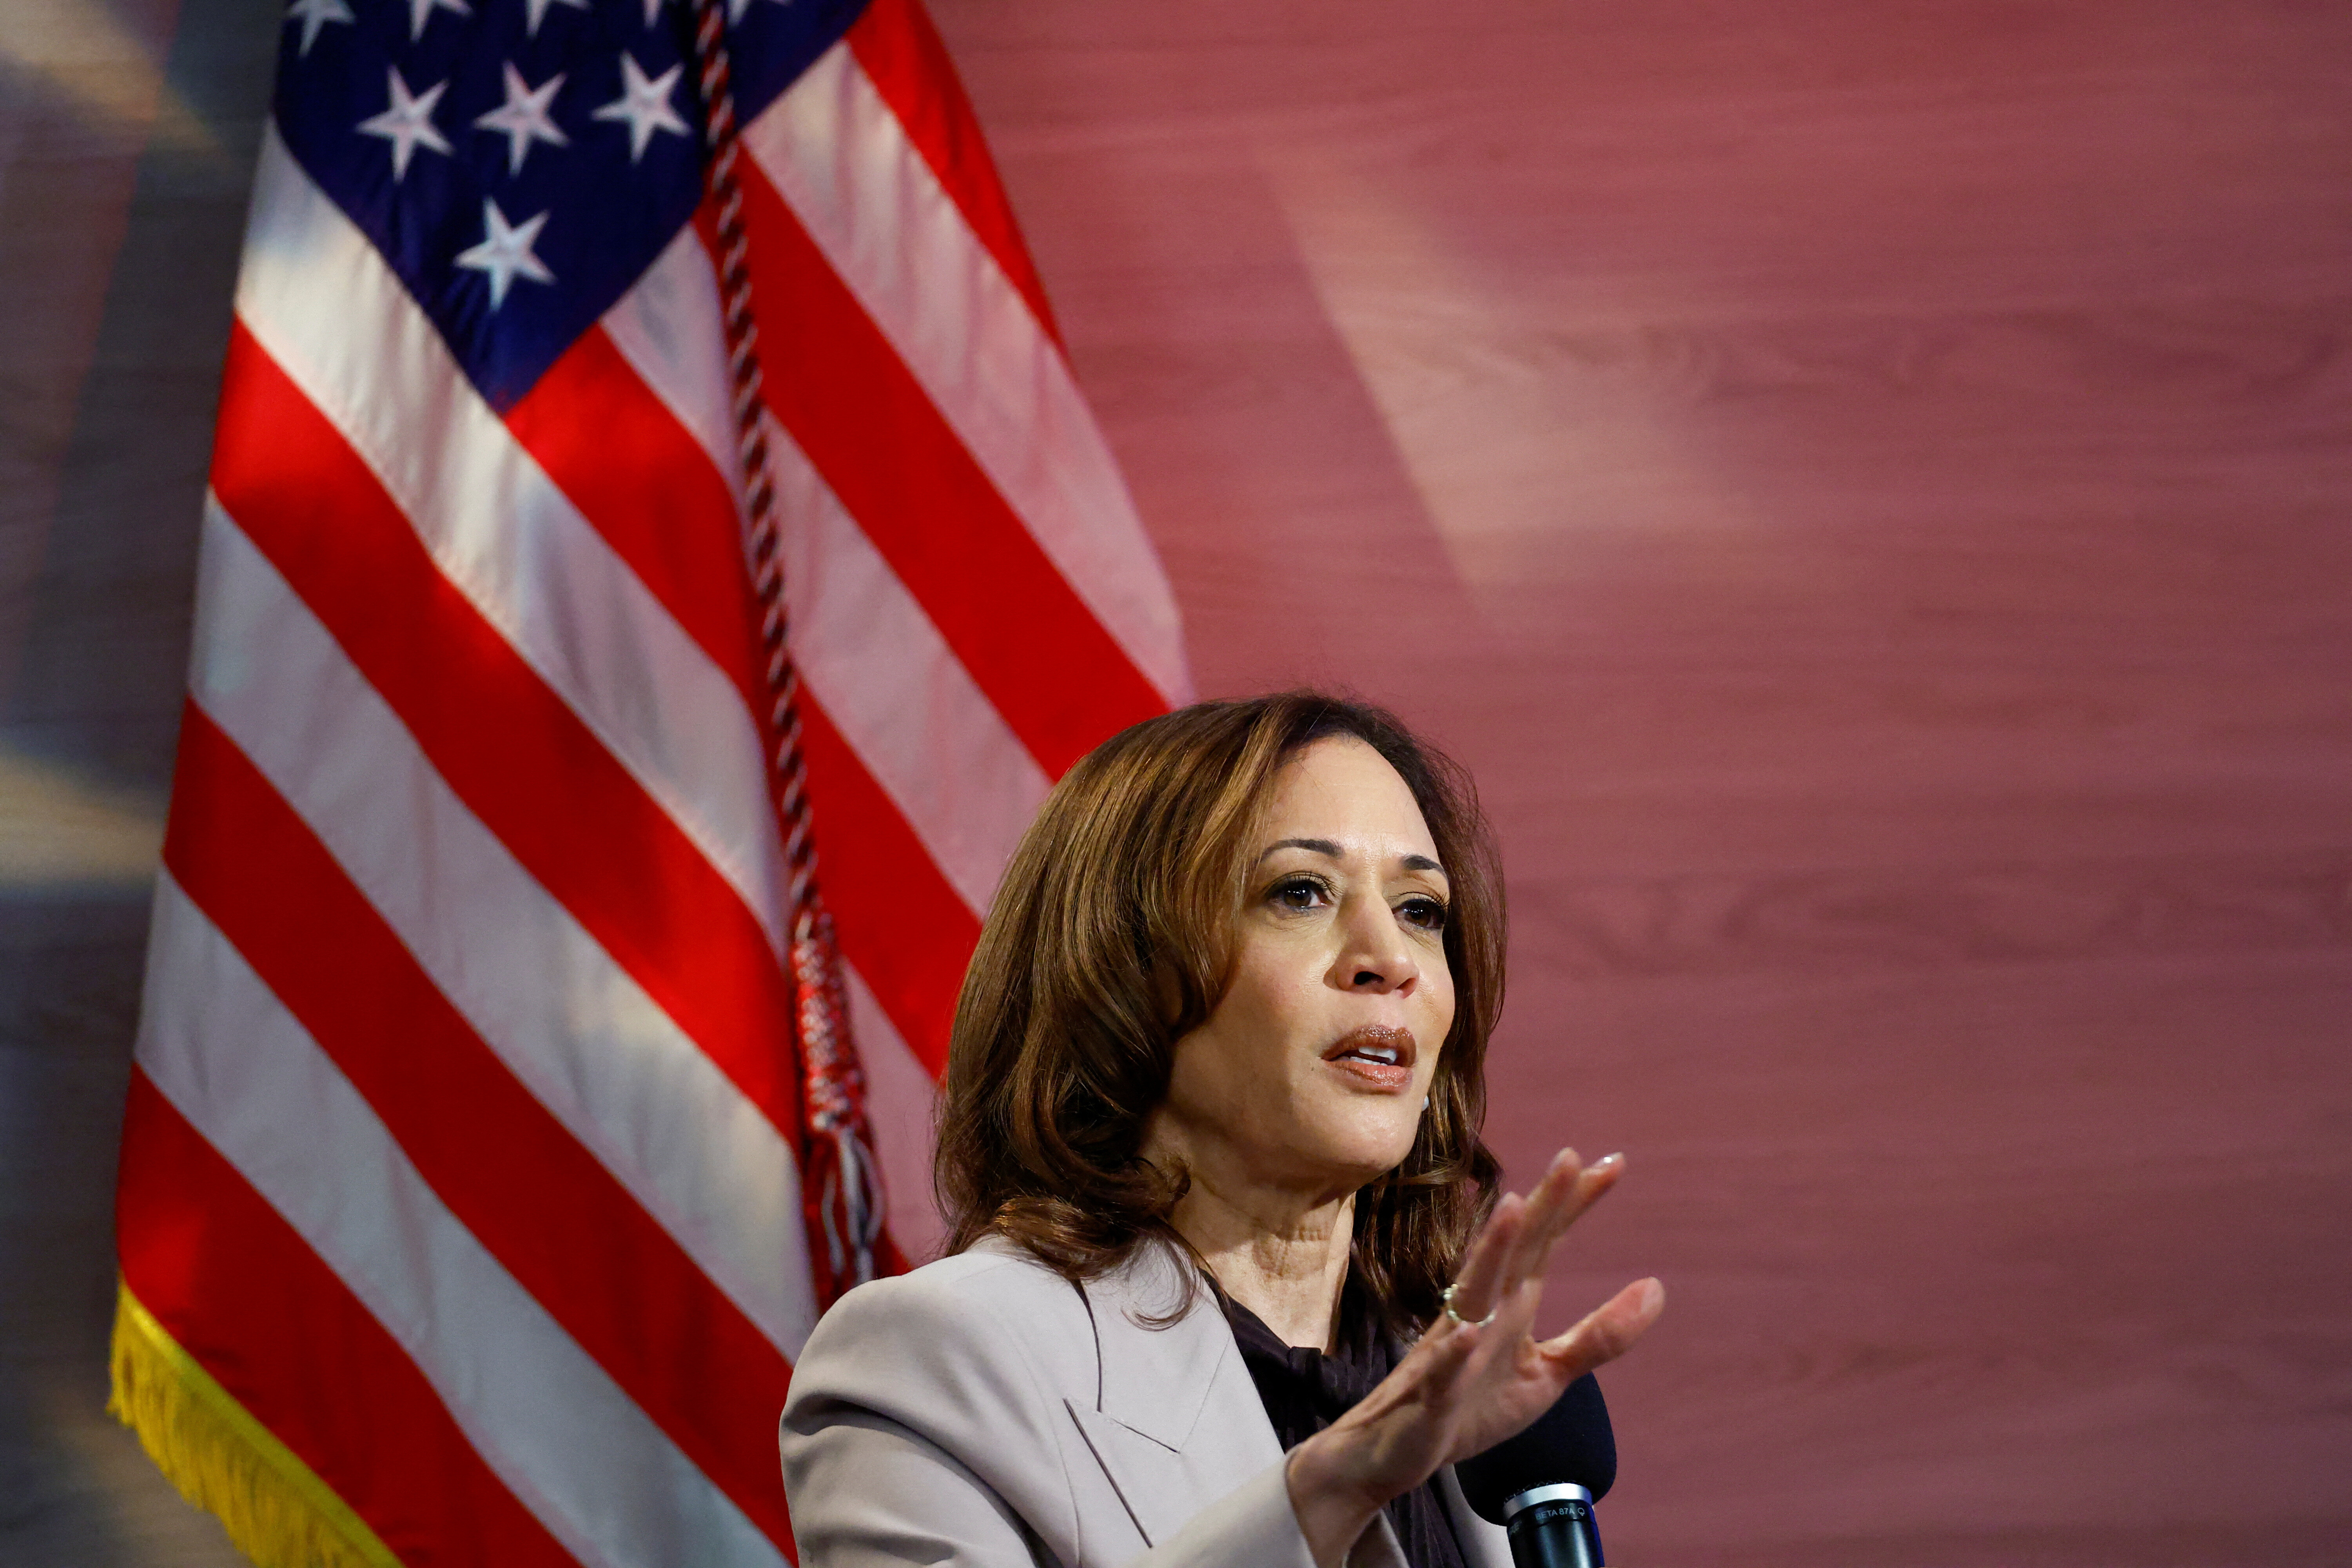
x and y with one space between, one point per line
1552 1527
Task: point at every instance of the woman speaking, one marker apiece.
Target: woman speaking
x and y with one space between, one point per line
1224 1285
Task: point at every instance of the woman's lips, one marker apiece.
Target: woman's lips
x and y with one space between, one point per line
1377 1055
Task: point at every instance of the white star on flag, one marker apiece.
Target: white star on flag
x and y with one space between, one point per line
314 14
653 12
421 12
505 251
408 123
523 118
538 9
644 105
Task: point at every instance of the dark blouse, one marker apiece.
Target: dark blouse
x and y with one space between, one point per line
1305 1391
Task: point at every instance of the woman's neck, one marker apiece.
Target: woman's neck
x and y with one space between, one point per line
1285 1259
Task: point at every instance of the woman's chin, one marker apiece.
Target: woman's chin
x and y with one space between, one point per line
1357 1155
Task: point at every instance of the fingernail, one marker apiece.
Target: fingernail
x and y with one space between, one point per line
1608 1159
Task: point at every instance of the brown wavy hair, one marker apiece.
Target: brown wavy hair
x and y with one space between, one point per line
1112 936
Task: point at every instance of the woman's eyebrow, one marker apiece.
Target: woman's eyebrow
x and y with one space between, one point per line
1322 846
1325 847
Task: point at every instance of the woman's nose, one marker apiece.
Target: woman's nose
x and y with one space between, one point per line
1375 957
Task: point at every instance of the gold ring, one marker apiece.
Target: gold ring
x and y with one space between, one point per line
1447 1299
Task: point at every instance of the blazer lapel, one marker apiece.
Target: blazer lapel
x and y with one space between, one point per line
1158 1381
1176 1423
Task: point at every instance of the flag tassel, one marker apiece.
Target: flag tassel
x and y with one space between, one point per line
274 1507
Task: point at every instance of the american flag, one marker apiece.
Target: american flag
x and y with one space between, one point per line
461 1214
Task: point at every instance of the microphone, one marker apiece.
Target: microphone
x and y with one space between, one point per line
1541 1484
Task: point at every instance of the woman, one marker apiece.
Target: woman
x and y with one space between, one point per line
1209 1145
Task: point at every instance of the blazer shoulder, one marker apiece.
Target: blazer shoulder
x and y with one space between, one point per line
978 1315
992 1280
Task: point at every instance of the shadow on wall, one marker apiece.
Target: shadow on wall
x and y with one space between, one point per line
127 138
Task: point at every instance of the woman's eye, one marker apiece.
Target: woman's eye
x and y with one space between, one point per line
1426 914
1299 893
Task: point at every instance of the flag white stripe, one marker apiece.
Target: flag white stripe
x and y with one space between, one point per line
605 1061
836 154
605 1479
897 693
871 656
669 329
319 297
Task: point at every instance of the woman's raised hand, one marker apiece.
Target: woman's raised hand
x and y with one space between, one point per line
1467 1385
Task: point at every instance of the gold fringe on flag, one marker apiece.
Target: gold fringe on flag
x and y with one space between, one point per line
276 1509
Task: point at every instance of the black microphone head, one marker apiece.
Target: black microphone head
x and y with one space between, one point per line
1569 1442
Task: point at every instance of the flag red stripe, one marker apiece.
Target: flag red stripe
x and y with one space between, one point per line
641 479
900 49
1047 666
900 923
247 1297
553 1214
511 748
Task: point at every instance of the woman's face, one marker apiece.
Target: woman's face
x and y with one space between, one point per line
1310 1075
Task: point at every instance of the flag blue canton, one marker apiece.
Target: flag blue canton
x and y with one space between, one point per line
520 163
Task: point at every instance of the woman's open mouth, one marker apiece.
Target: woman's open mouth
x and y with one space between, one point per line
1377 1055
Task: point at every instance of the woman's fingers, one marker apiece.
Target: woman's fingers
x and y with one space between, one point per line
1567 1189
1548 1214
1544 1200
1429 1375
1512 1250
1608 1331
1479 1288
1586 1190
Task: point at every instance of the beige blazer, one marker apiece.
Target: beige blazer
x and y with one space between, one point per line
981 1412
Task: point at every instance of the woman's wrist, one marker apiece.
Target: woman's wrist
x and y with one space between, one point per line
1328 1494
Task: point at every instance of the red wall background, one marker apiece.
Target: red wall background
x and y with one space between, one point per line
1868 489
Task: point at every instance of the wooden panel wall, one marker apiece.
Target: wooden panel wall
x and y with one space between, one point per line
1869 489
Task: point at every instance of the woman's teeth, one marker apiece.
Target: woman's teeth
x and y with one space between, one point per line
1386 1056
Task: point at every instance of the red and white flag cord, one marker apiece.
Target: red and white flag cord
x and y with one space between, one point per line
840 1184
